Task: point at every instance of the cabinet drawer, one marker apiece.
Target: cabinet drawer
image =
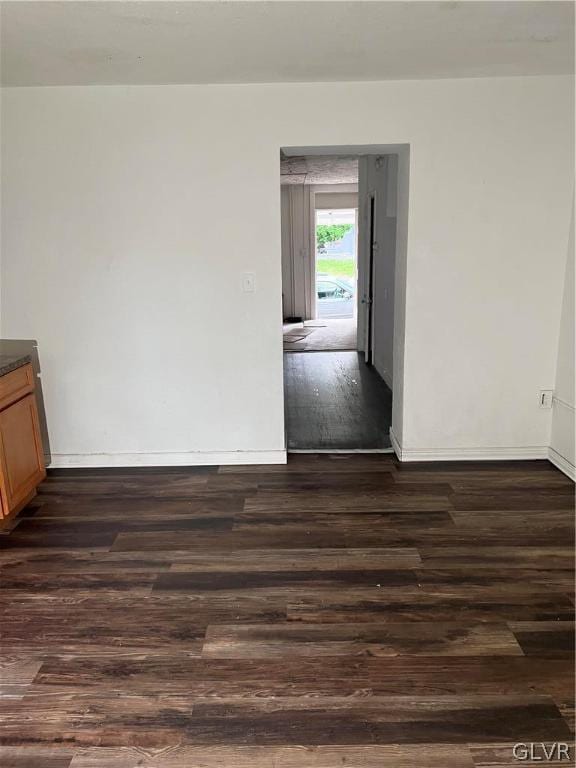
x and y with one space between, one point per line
16 384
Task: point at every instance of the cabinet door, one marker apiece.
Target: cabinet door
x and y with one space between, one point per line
21 453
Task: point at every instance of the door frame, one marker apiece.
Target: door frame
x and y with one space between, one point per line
328 189
367 300
401 256
314 254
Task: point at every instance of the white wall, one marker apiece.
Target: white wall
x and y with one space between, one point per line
130 214
379 179
563 432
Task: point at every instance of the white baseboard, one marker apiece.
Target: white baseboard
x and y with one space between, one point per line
469 454
186 459
563 464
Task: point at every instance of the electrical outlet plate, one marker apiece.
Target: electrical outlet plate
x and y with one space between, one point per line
545 398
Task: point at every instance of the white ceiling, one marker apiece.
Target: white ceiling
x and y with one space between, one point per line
215 41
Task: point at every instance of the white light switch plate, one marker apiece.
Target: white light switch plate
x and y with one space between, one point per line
248 282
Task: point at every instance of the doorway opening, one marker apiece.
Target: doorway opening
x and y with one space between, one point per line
336 276
320 232
339 254
335 279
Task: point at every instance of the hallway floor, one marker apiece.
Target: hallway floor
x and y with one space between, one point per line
320 335
334 401
337 611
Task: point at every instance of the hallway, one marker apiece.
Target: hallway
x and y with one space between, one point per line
320 335
334 401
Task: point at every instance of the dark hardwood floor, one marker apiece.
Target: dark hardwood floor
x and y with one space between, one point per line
334 401
342 611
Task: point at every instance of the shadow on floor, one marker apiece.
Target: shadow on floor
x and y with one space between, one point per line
334 401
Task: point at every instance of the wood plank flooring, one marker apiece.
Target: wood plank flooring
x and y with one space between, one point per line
343 611
334 401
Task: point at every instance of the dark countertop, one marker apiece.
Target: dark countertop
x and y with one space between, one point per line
11 362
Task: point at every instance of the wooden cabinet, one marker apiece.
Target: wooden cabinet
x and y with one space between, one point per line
21 452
